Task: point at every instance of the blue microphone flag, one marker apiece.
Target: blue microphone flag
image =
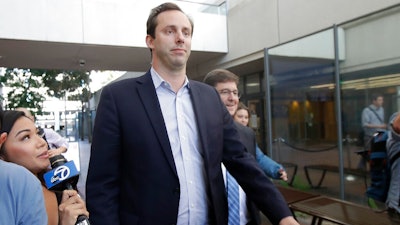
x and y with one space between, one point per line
60 174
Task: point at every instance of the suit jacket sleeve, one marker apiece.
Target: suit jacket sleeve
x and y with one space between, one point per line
221 141
102 187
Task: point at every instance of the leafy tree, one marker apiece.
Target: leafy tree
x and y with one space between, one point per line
30 86
25 87
60 82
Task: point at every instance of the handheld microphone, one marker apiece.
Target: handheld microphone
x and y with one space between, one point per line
63 176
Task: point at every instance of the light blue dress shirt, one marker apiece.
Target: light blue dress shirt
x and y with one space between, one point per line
369 117
180 122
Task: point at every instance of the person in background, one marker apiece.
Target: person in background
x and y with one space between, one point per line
269 166
22 201
373 117
372 120
159 140
25 147
57 144
225 83
393 151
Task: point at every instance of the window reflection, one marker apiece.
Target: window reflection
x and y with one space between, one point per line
302 94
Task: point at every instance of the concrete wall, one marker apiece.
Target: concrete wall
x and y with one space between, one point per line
250 26
372 42
256 24
100 22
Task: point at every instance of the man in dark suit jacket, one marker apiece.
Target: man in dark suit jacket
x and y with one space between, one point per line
248 139
159 141
226 82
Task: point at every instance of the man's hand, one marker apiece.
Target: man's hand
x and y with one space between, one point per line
283 174
57 151
288 221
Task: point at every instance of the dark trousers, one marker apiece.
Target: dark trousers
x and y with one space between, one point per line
362 164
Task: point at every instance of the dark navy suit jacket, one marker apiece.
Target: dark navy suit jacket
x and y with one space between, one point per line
248 139
132 177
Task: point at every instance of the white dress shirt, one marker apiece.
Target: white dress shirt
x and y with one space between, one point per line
180 122
54 139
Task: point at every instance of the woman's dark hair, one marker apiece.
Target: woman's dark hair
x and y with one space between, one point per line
8 119
243 106
152 20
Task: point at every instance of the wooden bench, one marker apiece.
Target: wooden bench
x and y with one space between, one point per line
329 168
341 212
292 195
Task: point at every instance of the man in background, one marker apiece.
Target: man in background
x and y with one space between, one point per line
372 120
226 82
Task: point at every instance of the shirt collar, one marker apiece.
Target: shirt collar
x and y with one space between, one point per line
158 80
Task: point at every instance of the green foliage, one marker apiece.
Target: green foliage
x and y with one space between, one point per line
60 81
30 86
25 89
300 183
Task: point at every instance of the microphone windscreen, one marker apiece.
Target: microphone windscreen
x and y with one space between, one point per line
57 160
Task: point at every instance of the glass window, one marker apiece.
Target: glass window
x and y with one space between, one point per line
241 85
303 120
369 66
253 84
304 106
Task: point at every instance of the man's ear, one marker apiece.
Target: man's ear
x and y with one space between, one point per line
149 41
3 137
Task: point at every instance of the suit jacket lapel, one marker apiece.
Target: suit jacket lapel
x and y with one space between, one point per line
200 117
148 96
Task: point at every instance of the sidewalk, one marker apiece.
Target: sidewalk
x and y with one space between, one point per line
81 153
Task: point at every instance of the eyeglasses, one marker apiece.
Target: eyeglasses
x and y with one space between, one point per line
227 92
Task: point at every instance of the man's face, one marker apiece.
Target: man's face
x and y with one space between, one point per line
229 95
378 102
172 42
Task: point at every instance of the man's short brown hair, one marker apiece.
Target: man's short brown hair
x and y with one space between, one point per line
152 20
217 76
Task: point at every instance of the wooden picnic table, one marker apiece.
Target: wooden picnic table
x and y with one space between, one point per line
340 212
293 195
